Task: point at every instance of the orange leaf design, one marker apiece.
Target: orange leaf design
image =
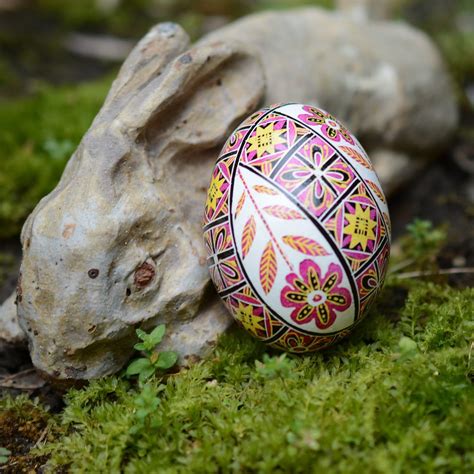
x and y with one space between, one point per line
282 212
387 222
268 267
376 190
264 190
357 157
248 235
304 245
240 205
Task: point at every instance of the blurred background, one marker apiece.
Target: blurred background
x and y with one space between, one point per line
58 59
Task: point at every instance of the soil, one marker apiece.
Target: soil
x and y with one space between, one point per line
444 195
20 433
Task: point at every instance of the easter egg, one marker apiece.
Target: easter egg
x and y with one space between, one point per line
296 228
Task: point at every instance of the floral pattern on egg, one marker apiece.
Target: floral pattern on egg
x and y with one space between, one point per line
296 228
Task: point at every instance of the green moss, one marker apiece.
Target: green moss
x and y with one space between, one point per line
124 18
458 49
37 136
395 397
8 78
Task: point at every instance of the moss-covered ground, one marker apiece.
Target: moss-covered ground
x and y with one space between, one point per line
396 397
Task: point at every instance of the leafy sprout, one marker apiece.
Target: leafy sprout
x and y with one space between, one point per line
423 242
4 455
146 404
419 248
276 366
152 361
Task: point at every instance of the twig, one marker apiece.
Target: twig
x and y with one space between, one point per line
17 375
9 5
42 436
444 271
8 465
400 265
24 380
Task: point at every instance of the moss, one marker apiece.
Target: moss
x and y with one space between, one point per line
37 136
395 397
8 78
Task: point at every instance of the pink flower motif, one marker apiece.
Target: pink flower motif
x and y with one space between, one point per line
315 297
331 127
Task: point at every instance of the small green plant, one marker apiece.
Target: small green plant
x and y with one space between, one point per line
407 349
146 403
276 366
420 247
153 361
423 242
4 455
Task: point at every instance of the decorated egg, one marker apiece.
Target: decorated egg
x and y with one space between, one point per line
296 227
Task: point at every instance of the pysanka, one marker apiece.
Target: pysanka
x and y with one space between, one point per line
296 228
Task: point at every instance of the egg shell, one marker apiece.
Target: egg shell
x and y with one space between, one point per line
296 228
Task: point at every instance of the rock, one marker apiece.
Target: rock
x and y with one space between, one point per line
394 168
117 245
10 330
196 337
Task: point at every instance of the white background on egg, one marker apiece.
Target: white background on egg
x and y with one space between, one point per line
301 227
280 227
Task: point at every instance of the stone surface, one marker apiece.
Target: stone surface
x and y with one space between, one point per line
118 243
394 168
10 330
